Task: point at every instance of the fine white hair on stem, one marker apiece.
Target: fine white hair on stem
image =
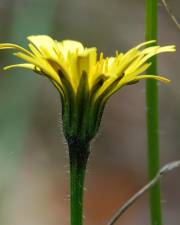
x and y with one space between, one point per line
162 172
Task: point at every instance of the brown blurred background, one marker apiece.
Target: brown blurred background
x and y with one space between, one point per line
33 153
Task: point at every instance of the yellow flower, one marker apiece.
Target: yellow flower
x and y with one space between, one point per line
85 81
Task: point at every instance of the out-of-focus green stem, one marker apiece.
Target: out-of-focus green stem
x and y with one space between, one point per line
152 116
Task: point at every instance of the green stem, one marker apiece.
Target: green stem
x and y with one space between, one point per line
78 161
152 116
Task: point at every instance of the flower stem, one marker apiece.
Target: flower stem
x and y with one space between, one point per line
161 173
152 116
78 160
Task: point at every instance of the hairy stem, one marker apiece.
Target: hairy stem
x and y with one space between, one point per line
78 161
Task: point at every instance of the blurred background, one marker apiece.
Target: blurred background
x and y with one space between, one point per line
33 153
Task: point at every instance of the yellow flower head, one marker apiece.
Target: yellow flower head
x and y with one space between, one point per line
84 80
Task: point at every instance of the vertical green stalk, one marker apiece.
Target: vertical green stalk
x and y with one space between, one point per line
152 116
78 160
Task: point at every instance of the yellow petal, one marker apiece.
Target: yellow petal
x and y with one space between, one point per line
145 43
43 45
42 64
13 46
22 65
160 78
67 46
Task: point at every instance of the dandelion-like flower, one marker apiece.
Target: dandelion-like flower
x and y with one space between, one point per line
84 80
85 83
